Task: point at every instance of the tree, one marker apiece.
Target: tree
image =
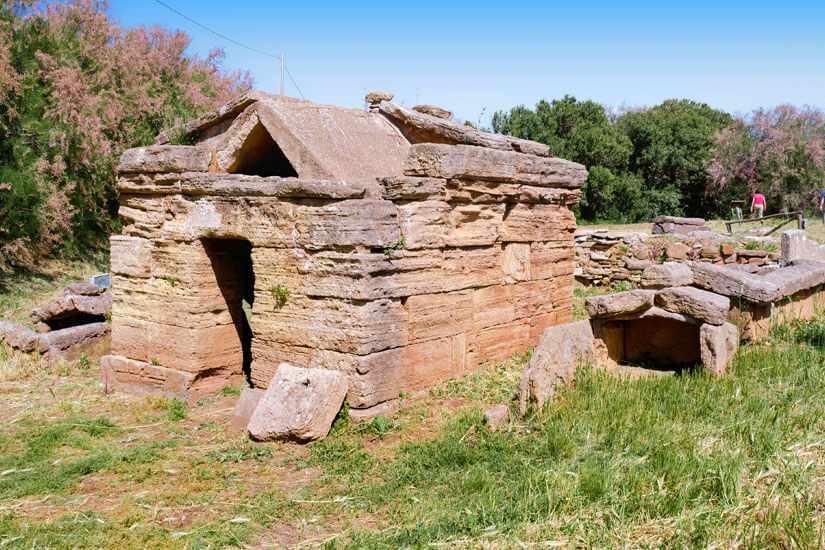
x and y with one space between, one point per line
780 152
580 131
672 145
76 90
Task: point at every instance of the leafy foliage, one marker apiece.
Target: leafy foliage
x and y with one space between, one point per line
640 162
76 89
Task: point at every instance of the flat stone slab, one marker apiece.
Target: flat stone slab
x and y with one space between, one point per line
697 303
770 287
667 274
299 404
81 289
165 158
679 221
72 305
247 403
621 303
561 349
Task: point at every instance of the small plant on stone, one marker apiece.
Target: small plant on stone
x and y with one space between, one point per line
154 361
171 280
231 390
390 251
281 293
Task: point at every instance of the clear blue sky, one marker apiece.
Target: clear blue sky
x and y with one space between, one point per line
479 57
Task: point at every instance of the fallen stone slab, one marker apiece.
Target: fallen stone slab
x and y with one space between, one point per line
717 346
22 338
299 404
678 220
697 303
561 349
497 418
433 110
620 303
667 274
247 403
655 312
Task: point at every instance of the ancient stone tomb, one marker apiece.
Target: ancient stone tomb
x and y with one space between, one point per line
395 246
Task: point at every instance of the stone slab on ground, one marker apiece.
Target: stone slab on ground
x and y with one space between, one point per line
247 403
299 404
559 352
72 305
620 303
717 345
697 303
22 338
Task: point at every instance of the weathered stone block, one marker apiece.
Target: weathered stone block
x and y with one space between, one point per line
620 303
667 274
165 158
699 304
559 352
718 344
247 403
299 404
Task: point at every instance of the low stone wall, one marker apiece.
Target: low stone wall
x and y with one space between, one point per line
603 258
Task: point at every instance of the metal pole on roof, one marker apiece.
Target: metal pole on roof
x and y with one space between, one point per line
282 73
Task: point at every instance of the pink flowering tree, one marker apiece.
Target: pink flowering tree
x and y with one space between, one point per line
76 89
780 152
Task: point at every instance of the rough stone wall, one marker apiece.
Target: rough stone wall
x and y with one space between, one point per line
467 257
604 258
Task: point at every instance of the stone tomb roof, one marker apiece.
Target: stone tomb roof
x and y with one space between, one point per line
268 135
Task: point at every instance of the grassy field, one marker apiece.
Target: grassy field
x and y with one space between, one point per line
671 462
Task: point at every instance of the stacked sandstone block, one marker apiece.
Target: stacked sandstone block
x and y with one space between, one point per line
461 255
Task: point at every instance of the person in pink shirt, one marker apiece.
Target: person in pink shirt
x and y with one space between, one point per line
758 204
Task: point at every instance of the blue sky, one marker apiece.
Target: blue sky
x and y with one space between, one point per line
478 57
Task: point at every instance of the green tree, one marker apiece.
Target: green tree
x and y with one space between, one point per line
581 131
672 145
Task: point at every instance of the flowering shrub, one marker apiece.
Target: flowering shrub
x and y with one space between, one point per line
780 152
76 89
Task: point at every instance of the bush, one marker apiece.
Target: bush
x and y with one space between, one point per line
76 90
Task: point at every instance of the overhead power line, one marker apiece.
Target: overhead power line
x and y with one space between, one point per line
250 48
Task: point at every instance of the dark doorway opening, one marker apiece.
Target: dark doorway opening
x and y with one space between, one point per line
231 261
261 156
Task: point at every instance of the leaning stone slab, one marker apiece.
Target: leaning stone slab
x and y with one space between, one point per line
560 351
299 404
165 158
621 303
666 274
247 403
697 303
425 128
71 337
717 345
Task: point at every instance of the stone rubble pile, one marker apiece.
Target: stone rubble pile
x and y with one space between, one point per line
604 257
